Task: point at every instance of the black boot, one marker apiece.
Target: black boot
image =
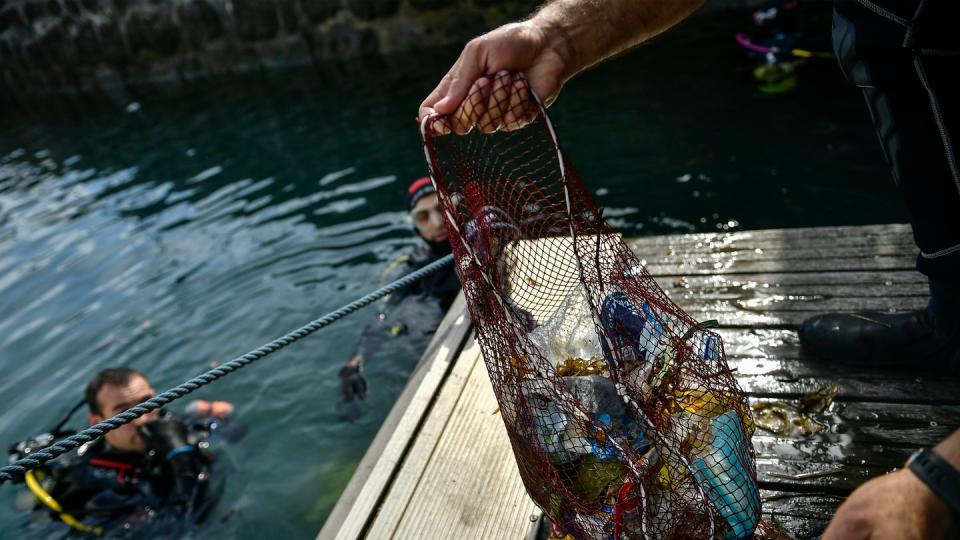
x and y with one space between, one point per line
927 339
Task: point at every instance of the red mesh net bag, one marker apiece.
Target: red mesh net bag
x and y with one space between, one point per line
622 413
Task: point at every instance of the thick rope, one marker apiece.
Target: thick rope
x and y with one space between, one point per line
16 470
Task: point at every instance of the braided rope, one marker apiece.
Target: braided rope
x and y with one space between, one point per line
17 469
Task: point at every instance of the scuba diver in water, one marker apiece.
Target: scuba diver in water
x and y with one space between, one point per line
777 38
148 475
415 311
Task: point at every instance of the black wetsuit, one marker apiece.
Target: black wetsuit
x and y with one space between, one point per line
417 310
905 55
441 286
127 493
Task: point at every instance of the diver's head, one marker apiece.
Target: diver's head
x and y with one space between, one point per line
113 391
424 209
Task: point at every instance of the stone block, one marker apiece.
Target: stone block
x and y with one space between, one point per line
34 9
110 41
369 10
432 4
344 41
6 52
47 47
54 8
256 20
88 43
289 21
11 18
72 7
200 22
318 11
152 32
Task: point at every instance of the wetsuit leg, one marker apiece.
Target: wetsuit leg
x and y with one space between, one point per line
905 55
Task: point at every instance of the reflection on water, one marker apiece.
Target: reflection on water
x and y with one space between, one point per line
203 222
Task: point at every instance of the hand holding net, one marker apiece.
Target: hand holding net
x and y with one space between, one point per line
623 415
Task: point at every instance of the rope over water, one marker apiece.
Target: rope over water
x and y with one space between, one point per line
16 470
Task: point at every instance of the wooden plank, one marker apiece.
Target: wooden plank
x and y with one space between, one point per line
775 251
785 254
771 363
808 236
734 265
803 515
396 498
809 504
830 284
470 488
914 415
894 388
379 464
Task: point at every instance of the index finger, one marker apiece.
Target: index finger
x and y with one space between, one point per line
453 88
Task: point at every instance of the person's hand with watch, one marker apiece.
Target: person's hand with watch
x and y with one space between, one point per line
920 501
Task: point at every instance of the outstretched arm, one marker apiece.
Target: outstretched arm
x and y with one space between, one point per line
561 39
898 505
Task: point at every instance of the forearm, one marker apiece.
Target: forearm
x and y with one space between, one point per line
949 449
589 31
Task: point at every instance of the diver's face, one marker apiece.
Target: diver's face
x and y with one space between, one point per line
427 218
114 400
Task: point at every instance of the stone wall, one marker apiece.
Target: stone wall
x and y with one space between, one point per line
63 45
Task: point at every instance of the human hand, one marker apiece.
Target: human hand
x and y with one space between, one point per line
479 91
203 408
352 384
897 506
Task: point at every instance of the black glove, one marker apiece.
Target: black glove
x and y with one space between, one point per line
168 437
165 434
352 383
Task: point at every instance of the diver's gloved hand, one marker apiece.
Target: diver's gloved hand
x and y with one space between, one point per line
168 437
352 384
165 434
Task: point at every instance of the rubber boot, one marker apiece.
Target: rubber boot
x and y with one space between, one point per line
926 339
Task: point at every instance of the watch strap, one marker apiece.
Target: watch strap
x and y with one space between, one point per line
938 475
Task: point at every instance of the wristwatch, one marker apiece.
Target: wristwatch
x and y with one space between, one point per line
938 475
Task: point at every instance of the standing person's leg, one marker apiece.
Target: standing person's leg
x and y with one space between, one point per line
906 57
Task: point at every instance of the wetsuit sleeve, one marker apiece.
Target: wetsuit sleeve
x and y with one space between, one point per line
213 429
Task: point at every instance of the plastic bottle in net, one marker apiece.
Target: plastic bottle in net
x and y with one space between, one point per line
622 413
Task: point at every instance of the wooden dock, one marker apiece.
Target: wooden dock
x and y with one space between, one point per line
441 466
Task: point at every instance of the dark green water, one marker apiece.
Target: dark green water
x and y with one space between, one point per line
203 222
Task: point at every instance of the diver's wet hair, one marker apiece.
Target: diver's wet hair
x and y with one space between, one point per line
110 376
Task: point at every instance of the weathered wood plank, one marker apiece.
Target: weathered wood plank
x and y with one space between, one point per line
735 265
771 363
804 515
829 284
379 464
895 389
470 487
397 496
749 315
776 251
806 236
786 254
